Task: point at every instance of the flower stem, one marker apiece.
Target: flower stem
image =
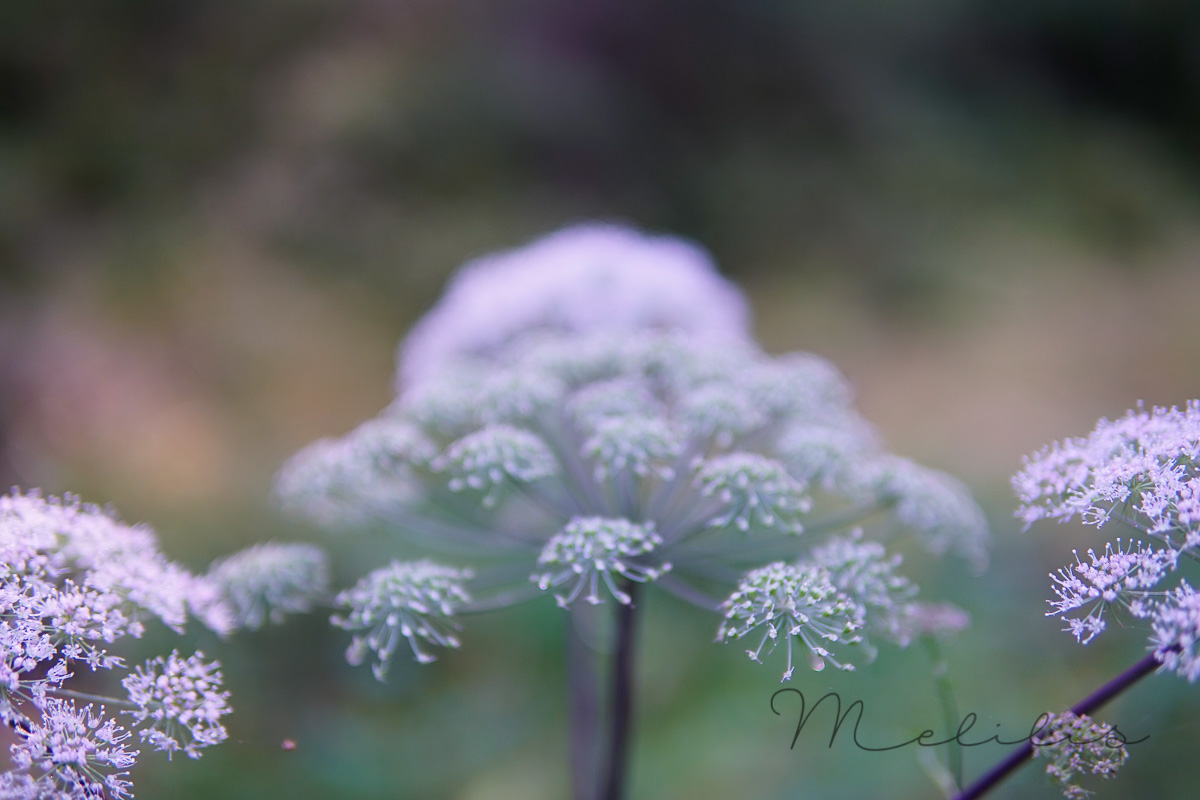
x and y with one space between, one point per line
584 712
1095 700
950 716
613 777
116 701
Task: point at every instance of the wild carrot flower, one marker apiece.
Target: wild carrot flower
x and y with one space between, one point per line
267 581
1075 745
73 581
583 279
1141 471
591 412
182 700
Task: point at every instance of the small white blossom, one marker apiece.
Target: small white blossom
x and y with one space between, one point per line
640 433
934 505
366 473
591 549
792 602
1075 745
1140 471
268 581
584 279
1142 467
864 572
720 411
637 444
753 490
70 752
1176 629
617 398
489 458
1124 576
181 702
414 600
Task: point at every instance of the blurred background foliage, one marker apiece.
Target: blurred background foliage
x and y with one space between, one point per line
217 220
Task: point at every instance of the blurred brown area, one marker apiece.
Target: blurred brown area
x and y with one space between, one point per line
217 220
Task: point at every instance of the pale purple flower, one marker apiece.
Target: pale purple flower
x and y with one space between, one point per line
592 412
1075 745
643 433
414 601
939 620
180 701
865 572
267 581
68 752
1140 471
1175 622
1119 576
793 602
593 549
583 279
1140 468
73 581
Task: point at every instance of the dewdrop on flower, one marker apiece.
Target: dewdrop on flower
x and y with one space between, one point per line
583 279
592 549
414 601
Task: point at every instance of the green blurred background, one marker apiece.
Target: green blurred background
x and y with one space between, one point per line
218 219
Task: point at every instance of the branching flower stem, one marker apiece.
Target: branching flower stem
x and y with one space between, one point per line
989 780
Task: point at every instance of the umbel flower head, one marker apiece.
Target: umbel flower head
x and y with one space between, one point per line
599 459
73 581
1075 745
583 279
1140 472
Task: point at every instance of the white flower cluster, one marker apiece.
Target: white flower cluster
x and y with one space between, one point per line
1076 745
583 279
267 581
182 699
411 600
73 581
1142 471
592 410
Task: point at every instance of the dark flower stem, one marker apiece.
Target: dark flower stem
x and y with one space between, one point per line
584 711
613 778
1098 698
